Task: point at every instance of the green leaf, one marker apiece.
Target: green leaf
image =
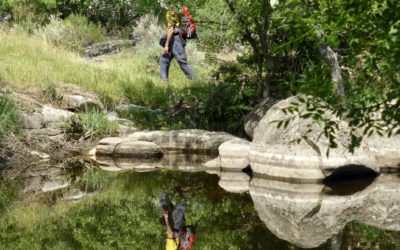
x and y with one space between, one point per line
306 116
370 133
279 124
286 123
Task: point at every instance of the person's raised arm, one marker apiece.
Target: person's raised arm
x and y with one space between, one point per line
169 38
169 229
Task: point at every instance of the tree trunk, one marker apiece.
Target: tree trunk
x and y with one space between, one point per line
330 58
263 39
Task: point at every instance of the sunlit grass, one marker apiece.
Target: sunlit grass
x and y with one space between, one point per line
91 123
30 62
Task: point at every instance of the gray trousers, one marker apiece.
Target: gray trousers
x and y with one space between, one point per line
177 52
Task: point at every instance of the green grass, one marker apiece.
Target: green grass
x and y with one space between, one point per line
91 124
9 117
29 62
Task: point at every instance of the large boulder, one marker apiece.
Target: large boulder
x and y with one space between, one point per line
386 150
106 146
123 148
185 140
138 149
254 117
54 115
276 152
234 154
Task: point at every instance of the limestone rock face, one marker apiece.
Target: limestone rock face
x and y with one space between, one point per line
107 146
107 47
185 140
32 121
121 147
54 115
151 136
386 150
254 117
234 154
275 151
137 149
75 98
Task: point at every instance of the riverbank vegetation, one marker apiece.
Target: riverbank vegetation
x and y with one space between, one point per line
349 61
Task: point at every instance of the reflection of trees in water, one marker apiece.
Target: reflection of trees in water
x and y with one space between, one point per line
126 210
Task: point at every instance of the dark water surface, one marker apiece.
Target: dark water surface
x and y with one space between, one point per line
113 204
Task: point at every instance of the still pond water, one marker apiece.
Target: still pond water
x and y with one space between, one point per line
113 204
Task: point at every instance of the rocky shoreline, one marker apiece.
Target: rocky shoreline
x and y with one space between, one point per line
43 135
274 152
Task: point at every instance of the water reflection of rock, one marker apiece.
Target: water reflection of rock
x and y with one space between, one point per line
306 216
126 164
382 207
171 160
185 162
235 182
54 182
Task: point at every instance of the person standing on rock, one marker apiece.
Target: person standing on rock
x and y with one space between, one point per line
174 45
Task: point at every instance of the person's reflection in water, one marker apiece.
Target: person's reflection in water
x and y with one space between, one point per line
179 236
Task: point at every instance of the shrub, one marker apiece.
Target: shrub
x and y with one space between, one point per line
148 30
28 14
85 32
75 32
9 117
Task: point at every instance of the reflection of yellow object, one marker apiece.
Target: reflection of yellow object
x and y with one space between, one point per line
172 244
173 19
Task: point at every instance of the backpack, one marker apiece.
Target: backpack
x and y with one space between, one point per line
188 28
186 237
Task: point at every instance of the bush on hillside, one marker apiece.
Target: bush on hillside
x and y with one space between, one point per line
148 30
75 32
